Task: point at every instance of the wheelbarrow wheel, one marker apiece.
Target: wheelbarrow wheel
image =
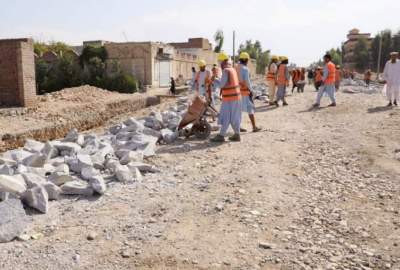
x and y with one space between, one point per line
202 130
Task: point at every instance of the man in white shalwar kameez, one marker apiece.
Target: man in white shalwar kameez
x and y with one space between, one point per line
391 75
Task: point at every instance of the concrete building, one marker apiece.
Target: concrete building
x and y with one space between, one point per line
353 37
154 63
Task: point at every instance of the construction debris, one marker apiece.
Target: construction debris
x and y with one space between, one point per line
80 163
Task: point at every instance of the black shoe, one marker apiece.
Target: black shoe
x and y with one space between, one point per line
333 105
315 105
395 103
243 130
235 138
218 139
389 105
285 103
256 129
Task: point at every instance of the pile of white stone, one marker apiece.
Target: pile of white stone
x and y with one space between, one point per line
359 86
83 164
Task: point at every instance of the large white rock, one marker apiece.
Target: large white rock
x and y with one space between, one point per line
168 135
98 184
13 184
46 170
143 167
77 188
72 136
57 161
123 174
89 172
62 168
111 164
17 155
33 180
35 160
37 198
133 125
60 178
76 164
33 146
50 151
131 156
67 148
8 162
117 128
6 169
13 220
53 191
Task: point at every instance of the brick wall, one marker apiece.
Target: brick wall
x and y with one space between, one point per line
17 73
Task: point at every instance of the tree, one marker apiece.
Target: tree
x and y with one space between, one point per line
219 40
387 46
256 52
396 42
336 55
361 54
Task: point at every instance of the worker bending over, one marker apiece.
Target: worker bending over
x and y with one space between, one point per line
246 89
230 113
271 79
328 79
338 78
282 79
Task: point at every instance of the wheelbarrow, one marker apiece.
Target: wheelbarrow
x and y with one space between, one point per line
195 120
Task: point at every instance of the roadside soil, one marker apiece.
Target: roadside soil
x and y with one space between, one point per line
316 189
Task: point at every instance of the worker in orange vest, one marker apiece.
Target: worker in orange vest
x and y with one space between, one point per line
338 78
328 79
301 83
282 79
318 78
246 89
271 79
231 107
203 80
295 79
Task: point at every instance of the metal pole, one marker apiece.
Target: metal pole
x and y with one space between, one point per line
233 54
379 57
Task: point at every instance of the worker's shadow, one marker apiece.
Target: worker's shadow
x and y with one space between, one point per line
313 109
379 109
266 108
186 145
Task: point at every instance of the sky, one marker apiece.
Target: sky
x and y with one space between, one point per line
302 30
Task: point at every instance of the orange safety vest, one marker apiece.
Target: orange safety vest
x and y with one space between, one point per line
318 76
244 90
294 76
281 79
231 90
331 73
338 75
271 75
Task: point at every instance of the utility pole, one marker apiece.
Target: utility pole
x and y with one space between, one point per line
379 57
233 54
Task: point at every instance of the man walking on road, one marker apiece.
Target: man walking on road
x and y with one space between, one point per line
271 79
282 79
391 75
230 113
246 89
328 80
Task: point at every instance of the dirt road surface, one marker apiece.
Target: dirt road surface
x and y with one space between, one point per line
314 190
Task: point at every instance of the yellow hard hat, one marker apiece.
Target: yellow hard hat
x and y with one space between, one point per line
283 58
222 56
202 63
274 57
244 56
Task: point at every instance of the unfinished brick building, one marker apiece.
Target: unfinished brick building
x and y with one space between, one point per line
17 73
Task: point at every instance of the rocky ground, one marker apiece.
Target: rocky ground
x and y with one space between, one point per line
317 189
